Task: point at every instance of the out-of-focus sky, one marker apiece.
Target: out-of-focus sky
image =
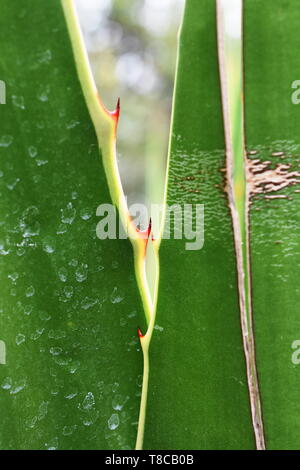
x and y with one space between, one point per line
132 50
232 17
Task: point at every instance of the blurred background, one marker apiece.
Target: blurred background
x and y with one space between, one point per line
132 45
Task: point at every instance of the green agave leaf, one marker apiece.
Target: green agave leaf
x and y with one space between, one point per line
197 359
69 302
199 351
271 42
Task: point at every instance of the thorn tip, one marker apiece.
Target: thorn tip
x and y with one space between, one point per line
140 333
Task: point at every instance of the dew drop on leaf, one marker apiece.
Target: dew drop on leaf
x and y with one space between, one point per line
13 276
113 422
32 151
118 402
116 297
7 383
6 140
18 387
81 273
68 214
30 291
20 338
68 292
63 274
18 101
55 351
49 245
89 401
85 214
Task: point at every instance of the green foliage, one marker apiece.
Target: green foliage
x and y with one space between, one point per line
69 302
197 360
271 42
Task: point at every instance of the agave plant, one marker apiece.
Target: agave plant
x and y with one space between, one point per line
139 342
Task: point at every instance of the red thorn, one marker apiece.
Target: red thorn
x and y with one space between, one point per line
116 112
145 234
149 227
115 115
140 334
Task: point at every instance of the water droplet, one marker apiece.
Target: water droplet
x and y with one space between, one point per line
49 245
20 251
11 186
68 430
68 214
73 367
119 402
132 314
29 224
73 262
44 316
18 387
31 422
20 339
13 276
63 274
3 251
90 417
28 309
43 93
68 291
159 328
88 402
37 334
62 229
32 151
88 302
18 101
72 124
41 162
71 396
43 410
7 383
116 297
113 422
6 140
85 214
56 334
53 444
55 351
30 291
81 273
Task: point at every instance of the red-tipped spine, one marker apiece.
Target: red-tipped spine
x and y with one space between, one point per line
113 114
140 334
116 112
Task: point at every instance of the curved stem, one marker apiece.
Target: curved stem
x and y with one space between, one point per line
106 123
